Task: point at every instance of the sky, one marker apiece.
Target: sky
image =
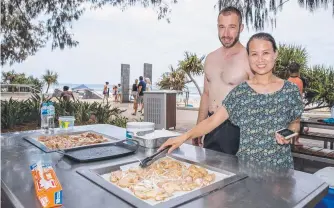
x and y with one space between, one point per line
109 37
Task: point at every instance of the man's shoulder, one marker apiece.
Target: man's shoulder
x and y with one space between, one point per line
243 52
214 53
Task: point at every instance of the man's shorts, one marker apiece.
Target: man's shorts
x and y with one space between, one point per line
225 138
140 99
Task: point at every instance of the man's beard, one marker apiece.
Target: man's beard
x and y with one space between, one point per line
231 44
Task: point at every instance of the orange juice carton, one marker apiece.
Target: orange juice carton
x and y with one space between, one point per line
47 187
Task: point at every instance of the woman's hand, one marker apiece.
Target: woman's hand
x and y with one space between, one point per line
204 127
174 142
281 140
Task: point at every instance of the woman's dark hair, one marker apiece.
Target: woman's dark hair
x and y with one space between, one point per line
262 36
65 88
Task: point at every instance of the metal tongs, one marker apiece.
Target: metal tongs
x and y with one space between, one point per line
149 160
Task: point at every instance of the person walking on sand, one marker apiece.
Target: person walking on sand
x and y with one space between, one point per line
134 93
106 92
140 97
259 106
148 84
224 69
119 92
115 93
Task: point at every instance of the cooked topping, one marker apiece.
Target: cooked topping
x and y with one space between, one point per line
68 141
161 179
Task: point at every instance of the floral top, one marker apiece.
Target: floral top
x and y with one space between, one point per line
259 116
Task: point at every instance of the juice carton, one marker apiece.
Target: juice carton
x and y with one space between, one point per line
47 187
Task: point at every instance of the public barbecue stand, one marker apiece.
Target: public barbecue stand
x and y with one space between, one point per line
296 189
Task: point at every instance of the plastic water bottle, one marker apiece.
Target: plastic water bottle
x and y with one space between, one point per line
44 118
51 117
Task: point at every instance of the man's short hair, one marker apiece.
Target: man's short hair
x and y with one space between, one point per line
65 88
294 67
141 78
230 9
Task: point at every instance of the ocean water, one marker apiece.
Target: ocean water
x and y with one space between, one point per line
193 92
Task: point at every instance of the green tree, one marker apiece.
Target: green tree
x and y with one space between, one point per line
50 78
8 77
319 92
288 54
12 77
175 79
320 89
192 66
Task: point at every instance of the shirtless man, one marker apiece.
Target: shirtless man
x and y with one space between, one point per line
224 69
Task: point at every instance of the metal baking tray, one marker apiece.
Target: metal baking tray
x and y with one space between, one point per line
95 175
154 142
101 151
34 140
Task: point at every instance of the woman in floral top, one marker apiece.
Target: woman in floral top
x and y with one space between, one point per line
259 106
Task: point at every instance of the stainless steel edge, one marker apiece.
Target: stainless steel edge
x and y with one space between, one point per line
313 198
11 196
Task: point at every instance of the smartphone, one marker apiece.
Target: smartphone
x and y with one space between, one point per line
286 133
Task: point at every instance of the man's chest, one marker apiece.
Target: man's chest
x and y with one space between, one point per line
227 72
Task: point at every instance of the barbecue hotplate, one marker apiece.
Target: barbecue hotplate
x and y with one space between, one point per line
104 151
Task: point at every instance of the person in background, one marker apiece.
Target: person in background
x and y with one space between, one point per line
115 93
295 76
148 84
294 69
66 95
140 98
260 107
119 92
224 69
134 93
106 92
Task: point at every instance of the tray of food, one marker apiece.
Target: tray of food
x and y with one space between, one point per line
154 139
168 182
69 140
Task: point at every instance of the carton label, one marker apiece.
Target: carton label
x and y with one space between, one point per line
58 197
